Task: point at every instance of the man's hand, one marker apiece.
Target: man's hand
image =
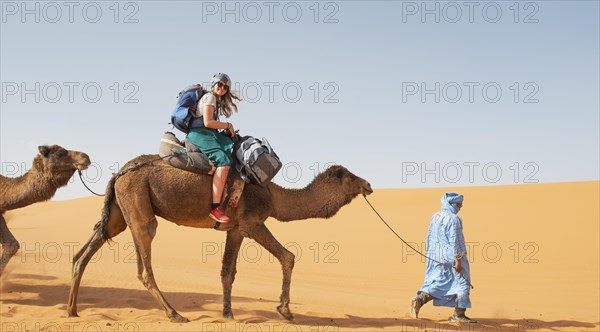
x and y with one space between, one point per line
458 267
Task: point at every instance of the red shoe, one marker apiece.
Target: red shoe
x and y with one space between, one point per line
218 215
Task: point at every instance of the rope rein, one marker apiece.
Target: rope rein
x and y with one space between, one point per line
411 247
130 168
85 185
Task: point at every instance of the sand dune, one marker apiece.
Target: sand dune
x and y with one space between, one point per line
534 253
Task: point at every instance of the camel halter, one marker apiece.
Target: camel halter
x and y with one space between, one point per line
413 248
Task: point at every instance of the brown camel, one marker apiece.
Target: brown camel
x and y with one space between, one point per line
51 169
137 197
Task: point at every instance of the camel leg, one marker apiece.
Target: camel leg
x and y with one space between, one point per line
81 251
80 261
263 236
143 234
116 225
8 244
228 271
140 264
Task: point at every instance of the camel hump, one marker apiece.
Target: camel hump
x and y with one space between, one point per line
192 160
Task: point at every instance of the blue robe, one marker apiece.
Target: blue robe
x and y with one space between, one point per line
445 242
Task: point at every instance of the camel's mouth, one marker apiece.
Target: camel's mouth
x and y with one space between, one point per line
82 167
83 162
366 189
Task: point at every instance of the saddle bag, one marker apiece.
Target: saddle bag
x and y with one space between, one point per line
184 155
256 161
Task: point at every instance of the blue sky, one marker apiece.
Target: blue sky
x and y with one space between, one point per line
405 94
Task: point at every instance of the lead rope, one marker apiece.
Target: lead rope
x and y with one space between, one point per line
86 187
130 168
413 248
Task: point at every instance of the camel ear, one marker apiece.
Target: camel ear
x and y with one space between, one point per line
44 150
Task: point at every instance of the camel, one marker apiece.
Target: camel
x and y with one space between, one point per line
51 169
135 198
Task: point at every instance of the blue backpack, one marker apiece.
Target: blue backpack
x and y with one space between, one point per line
183 117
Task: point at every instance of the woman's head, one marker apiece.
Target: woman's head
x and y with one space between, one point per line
221 87
220 84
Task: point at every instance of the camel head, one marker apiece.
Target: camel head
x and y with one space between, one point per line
351 184
56 159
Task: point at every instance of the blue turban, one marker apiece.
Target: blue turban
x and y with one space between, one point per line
450 201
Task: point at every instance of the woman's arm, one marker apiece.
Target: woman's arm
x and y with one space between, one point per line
210 122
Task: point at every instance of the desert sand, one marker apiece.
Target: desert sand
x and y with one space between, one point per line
534 252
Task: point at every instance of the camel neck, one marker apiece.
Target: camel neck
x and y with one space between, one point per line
33 186
314 201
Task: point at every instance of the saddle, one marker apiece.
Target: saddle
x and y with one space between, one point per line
186 156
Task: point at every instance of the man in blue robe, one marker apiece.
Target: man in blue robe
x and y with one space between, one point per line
447 275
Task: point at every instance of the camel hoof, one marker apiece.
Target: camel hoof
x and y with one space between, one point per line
177 318
228 314
285 313
73 314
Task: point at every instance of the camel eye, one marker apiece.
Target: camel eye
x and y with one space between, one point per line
61 153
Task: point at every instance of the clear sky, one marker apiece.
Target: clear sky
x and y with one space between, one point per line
405 94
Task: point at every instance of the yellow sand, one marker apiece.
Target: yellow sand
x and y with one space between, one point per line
534 261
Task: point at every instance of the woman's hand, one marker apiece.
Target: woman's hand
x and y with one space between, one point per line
458 267
231 129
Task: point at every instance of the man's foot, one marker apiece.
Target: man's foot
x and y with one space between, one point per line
462 319
218 215
415 306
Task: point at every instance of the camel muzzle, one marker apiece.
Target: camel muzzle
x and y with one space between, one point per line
366 189
82 167
82 161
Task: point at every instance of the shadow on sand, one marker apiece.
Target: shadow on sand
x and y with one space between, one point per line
118 298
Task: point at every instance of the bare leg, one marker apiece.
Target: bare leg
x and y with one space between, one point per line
263 236
8 244
228 271
219 180
423 298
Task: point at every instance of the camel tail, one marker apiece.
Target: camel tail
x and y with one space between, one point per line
109 197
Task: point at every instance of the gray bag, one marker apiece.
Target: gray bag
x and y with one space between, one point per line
256 161
191 159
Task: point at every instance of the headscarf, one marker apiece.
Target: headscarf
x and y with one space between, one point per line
450 201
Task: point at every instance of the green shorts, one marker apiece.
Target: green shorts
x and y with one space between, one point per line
217 147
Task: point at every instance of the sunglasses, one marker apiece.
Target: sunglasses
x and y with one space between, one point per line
223 85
